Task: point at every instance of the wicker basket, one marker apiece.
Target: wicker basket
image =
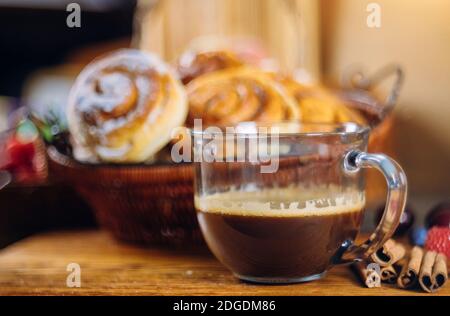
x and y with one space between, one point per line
137 203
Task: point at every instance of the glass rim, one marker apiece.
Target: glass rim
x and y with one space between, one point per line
334 129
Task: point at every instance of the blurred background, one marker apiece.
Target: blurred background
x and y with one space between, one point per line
417 36
40 56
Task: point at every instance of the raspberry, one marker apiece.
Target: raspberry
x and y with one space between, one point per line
438 239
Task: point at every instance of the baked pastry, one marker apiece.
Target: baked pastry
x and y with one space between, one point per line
123 108
194 64
230 96
319 105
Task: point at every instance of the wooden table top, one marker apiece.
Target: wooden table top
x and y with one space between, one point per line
37 266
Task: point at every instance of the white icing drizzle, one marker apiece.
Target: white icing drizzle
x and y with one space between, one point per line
113 152
116 87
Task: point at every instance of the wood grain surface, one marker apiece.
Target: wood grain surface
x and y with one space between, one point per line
37 266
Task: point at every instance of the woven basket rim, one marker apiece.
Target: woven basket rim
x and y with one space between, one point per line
69 162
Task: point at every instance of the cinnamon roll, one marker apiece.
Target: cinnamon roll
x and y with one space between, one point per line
123 107
234 95
194 64
318 105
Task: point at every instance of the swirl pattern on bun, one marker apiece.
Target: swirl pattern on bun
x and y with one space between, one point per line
194 64
123 108
319 105
234 95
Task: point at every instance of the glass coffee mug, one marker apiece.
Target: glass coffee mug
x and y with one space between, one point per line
284 203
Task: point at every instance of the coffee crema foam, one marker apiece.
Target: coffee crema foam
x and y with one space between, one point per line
282 202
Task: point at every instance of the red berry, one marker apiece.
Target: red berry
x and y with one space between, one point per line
438 239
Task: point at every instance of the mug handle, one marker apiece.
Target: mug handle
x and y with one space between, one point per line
395 204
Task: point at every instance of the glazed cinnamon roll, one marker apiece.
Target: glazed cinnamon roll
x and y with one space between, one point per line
123 108
230 96
318 105
194 64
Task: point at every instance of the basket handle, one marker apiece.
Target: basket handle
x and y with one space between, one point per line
356 78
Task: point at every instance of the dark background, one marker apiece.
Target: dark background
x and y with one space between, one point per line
34 34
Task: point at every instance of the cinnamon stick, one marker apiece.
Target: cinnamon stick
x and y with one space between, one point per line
369 278
390 253
440 272
409 275
433 273
425 279
389 274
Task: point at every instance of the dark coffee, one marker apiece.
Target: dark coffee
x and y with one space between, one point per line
258 241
